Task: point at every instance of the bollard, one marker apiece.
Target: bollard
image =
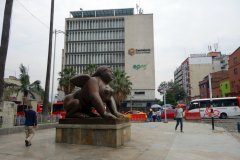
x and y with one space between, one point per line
238 126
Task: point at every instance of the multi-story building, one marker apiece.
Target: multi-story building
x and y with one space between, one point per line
234 73
216 78
178 75
119 39
195 68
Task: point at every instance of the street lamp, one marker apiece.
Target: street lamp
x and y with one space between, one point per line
55 32
131 102
164 94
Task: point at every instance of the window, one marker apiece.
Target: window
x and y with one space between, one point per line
226 86
204 104
235 60
231 102
235 71
139 92
172 111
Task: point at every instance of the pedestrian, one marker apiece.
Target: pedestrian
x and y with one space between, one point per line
159 116
154 116
150 115
179 116
30 124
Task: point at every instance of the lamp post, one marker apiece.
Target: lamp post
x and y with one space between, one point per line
164 94
55 32
131 102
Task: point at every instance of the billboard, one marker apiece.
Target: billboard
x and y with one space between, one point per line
198 55
213 54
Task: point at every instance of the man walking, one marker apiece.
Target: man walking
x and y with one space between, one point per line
30 124
178 114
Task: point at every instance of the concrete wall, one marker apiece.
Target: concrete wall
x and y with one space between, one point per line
8 110
197 73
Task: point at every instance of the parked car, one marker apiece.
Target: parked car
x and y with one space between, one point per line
129 114
169 114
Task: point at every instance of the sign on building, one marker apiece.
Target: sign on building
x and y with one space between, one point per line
198 55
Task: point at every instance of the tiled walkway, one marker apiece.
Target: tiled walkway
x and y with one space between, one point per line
149 141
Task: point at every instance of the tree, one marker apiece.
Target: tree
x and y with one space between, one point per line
25 87
5 41
90 69
170 99
121 86
64 80
178 91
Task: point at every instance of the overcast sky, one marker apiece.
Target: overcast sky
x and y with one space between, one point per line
181 28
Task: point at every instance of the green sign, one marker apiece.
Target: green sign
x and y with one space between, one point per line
137 66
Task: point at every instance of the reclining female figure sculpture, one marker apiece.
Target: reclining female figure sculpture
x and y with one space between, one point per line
94 92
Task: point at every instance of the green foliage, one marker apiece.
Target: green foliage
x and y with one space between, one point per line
121 86
64 80
170 99
25 87
90 69
178 91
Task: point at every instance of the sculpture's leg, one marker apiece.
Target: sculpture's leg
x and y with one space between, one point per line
74 109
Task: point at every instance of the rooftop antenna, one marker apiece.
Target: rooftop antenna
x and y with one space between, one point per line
140 11
209 48
215 46
137 7
218 44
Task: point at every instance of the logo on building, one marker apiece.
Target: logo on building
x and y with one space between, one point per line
137 66
131 51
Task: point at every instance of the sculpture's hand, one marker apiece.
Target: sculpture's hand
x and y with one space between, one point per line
108 115
119 115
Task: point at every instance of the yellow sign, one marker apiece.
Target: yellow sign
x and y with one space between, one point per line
131 51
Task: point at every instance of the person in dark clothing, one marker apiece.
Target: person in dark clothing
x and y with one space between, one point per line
30 124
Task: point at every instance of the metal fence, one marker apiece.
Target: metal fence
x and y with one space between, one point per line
1 120
20 120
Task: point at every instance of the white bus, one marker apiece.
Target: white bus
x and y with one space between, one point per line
222 107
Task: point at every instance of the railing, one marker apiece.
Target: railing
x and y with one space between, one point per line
8 121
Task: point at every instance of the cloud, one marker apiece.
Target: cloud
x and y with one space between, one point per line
181 28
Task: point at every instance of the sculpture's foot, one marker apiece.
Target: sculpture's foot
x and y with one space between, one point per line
76 115
93 114
119 115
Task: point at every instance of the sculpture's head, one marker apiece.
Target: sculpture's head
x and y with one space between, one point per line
105 73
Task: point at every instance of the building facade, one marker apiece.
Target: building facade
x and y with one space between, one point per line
234 73
178 75
116 38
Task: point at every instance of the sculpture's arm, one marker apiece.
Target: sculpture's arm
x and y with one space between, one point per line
93 88
113 108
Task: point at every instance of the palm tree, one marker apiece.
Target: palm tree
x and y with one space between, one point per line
25 87
64 80
90 69
5 41
121 86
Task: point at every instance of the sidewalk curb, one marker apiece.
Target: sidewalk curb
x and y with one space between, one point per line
17 129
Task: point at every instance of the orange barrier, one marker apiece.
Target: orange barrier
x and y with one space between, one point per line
192 116
138 117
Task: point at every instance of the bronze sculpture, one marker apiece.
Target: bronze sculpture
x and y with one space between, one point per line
94 92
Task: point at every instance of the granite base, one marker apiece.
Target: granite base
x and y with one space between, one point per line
109 135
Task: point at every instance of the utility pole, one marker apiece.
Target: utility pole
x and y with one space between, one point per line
164 91
46 94
210 90
4 41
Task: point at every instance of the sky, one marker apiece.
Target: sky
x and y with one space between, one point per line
181 28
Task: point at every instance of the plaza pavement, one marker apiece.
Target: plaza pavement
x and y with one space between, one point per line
150 140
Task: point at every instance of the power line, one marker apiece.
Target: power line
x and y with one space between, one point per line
32 14
28 43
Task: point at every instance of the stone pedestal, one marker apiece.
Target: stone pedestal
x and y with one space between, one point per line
94 131
8 112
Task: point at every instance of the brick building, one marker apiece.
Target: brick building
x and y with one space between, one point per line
234 73
216 77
